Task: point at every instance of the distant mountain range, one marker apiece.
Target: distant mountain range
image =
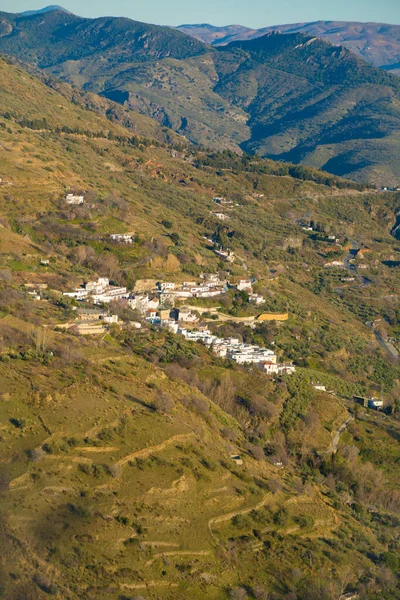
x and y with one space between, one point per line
379 43
291 97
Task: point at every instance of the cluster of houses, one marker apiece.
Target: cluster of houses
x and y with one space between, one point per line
235 350
99 292
309 227
223 203
165 294
152 306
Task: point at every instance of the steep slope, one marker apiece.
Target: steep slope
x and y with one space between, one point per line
289 97
116 475
378 43
300 109
56 37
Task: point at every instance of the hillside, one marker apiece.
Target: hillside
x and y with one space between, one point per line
117 479
378 43
288 97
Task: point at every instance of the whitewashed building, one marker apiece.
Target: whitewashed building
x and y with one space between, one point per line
74 199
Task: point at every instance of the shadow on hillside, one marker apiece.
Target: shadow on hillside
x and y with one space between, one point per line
140 402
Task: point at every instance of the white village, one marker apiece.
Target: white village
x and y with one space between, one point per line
158 308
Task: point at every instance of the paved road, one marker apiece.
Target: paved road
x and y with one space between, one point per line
390 349
355 247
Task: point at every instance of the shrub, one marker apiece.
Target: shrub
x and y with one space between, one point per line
163 404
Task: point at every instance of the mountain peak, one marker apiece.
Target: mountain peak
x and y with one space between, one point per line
46 9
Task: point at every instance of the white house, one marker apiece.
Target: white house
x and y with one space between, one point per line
270 368
187 316
97 286
153 303
78 294
111 319
73 199
286 369
244 285
260 356
208 294
220 216
151 315
124 238
226 254
111 294
256 298
375 403
170 324
319 387
188 284
165 285
334 263
210 276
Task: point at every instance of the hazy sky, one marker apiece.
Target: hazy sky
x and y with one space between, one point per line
254 13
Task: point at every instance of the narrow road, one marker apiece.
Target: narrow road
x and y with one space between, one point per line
387 346
350 256
335 442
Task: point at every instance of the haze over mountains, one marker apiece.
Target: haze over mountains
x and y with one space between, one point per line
289 96
378 43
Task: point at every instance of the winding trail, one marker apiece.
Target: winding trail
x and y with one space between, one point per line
145 452
236 513
335 442
177 553
148 585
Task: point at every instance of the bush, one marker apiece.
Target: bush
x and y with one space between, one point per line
163 404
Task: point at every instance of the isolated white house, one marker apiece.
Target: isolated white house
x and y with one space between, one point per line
73 199
124 238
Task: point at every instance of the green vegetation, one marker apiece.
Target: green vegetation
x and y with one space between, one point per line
117 476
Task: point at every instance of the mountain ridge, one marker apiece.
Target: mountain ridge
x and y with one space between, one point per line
378 43
264 95
50 8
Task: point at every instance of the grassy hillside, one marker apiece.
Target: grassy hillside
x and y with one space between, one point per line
289 97
116 477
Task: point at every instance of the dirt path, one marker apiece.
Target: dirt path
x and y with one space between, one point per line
335 442
160 544
145 452
177 553
145 586
236 513
97 449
